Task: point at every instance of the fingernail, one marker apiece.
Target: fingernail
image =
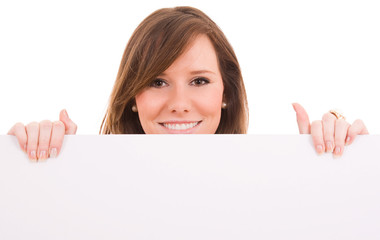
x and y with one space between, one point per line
42 155
348 140
53 153
319 149
337 152
32 155
329 147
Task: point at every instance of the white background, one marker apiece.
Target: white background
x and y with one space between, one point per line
323 54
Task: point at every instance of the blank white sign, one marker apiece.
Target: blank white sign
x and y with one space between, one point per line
191 187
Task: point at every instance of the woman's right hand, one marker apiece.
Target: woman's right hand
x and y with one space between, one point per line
44 139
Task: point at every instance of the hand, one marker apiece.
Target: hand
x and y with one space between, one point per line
44 139
329 134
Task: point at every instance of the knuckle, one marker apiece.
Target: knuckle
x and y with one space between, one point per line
359 122
73 127
344 123
32 125
353 131
327 117
45 124
58 124
16 129
316 123
58 128
341 121
19 125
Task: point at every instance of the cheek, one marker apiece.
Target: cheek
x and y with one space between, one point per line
148 106
210 102
210 105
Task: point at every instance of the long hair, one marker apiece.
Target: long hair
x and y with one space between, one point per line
155 44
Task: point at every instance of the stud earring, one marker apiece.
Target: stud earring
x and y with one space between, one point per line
224 105
134 108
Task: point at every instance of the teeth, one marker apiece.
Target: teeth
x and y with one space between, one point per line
182 126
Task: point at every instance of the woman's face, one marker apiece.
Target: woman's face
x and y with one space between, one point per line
187 97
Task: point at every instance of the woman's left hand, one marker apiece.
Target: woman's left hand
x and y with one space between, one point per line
329 134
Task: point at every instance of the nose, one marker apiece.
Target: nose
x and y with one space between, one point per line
179 100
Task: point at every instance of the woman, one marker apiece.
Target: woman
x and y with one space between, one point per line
179 74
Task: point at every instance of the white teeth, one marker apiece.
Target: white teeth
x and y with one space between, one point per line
182 126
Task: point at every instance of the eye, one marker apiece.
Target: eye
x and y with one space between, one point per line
199 82
158 83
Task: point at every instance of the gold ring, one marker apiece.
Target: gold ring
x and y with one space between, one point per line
337 114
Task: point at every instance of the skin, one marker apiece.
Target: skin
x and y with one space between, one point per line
329 134
44 139
189 92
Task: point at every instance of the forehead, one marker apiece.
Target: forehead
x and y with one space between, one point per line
200 54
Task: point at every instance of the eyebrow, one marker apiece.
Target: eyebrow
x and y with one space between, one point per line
196 72
201 71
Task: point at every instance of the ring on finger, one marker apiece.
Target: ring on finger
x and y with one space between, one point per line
337 114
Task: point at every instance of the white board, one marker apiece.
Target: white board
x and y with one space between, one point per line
191 187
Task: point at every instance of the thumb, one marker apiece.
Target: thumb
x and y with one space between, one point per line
70 126
302 119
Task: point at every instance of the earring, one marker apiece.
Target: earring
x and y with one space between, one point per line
224 105
134 108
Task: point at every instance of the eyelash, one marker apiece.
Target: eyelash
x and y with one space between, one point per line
155 81
161 82
204 80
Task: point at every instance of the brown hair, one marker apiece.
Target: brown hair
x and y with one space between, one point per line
155 44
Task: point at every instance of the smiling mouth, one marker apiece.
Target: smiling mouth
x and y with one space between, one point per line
180 126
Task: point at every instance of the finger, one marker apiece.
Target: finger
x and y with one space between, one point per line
302 119
32 132
57 135
317 134
19 131
44 140
357 128
341 127
70 126
328 121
